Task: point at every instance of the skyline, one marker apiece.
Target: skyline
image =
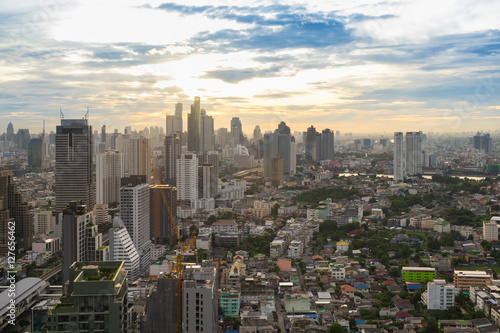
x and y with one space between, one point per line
356 67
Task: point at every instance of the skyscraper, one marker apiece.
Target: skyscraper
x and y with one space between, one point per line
122 248
134 211
10 132
23 138
161 231
236 131
413 144
187 179
194 119
74 168
206 132
270 151
35 154
172 151
284 146
398 156
310 144
139 163
178 110
109 171
327 147
174 122
103 134
257 134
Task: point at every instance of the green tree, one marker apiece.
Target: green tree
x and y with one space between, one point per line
337 328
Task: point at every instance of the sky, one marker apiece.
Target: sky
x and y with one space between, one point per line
352 66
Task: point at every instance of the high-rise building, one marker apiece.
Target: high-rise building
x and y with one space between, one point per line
81 241
413 153
139 162
23 138
221 138
161 230
327 148
205 182
310 144
482 142
236 131
490 231
35 154
161 315
293 156
178 109
206 132
134 212
122 248
270 151
200 300
74 163
194 128
123 145
187 179
279 144
172 151
10 132
109 171
257 134
94 300
439 295
212 158
44 221
277 171
103 134
398 156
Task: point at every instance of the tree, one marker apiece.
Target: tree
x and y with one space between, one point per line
337 328
274 209
372 200
211 219
193 228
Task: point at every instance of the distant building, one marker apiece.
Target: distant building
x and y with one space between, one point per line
161 230
418 274
161 314
463 280
490 231
439 295
109 171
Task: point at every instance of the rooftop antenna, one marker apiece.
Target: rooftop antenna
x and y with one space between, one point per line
87 114
60 113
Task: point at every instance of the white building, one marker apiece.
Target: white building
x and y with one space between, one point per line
295 249
187 177
109 171
232 192
413 153
44 221
204 242
121 247
439 295
135 213
398 156
224 226
490 231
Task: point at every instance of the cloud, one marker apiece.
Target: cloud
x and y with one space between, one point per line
235 75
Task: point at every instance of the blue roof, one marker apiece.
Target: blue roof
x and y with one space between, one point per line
361 286
414 286
360 322
231 331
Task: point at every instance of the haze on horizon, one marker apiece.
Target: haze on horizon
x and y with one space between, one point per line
355 67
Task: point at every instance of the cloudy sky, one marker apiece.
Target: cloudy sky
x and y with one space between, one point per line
354 66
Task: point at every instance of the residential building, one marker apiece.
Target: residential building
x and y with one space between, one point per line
439 295
418 274
161 314
172 152
463 280
194 130
44 221
94 299
109 171
230 304
122 248
398 156
236 131
413 153
74 163
135 213
161 229
490 231
187 179
206 132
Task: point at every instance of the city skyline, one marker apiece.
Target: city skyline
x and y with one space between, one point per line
352 67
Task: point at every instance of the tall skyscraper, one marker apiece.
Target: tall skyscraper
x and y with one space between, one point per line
178 109
194 130
14 208
74 168
284 146
310 144
109 171
123 145
139 163
23 138
122 248
413 144
10 132
161 314
35 154
161 231
257 134
174 122
187 179
134 212
172 151
482 142
206 132
398 156
236 131
270 151
103 134
293 156
327 147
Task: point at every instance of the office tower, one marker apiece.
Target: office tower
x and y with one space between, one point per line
398 156
257 134
327 147
13 208
200 300
109 171
134 212
212 158
439 295
277 171
236 131
139 162
160 228
10 132
23 139
103 134
35 154
221 138
174 122
161 305
413 152
122 248
187 179
178 109
490 231
310 144
94 300
206 132
172 151
205 182
270 151
284 146
123 145
293 156
194 119
74 168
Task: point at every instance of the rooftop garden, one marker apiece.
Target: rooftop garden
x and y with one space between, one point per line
106 273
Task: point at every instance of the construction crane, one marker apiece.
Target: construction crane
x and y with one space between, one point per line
184 248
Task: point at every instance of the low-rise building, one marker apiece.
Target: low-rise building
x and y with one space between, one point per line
439 295
463 280
418 274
